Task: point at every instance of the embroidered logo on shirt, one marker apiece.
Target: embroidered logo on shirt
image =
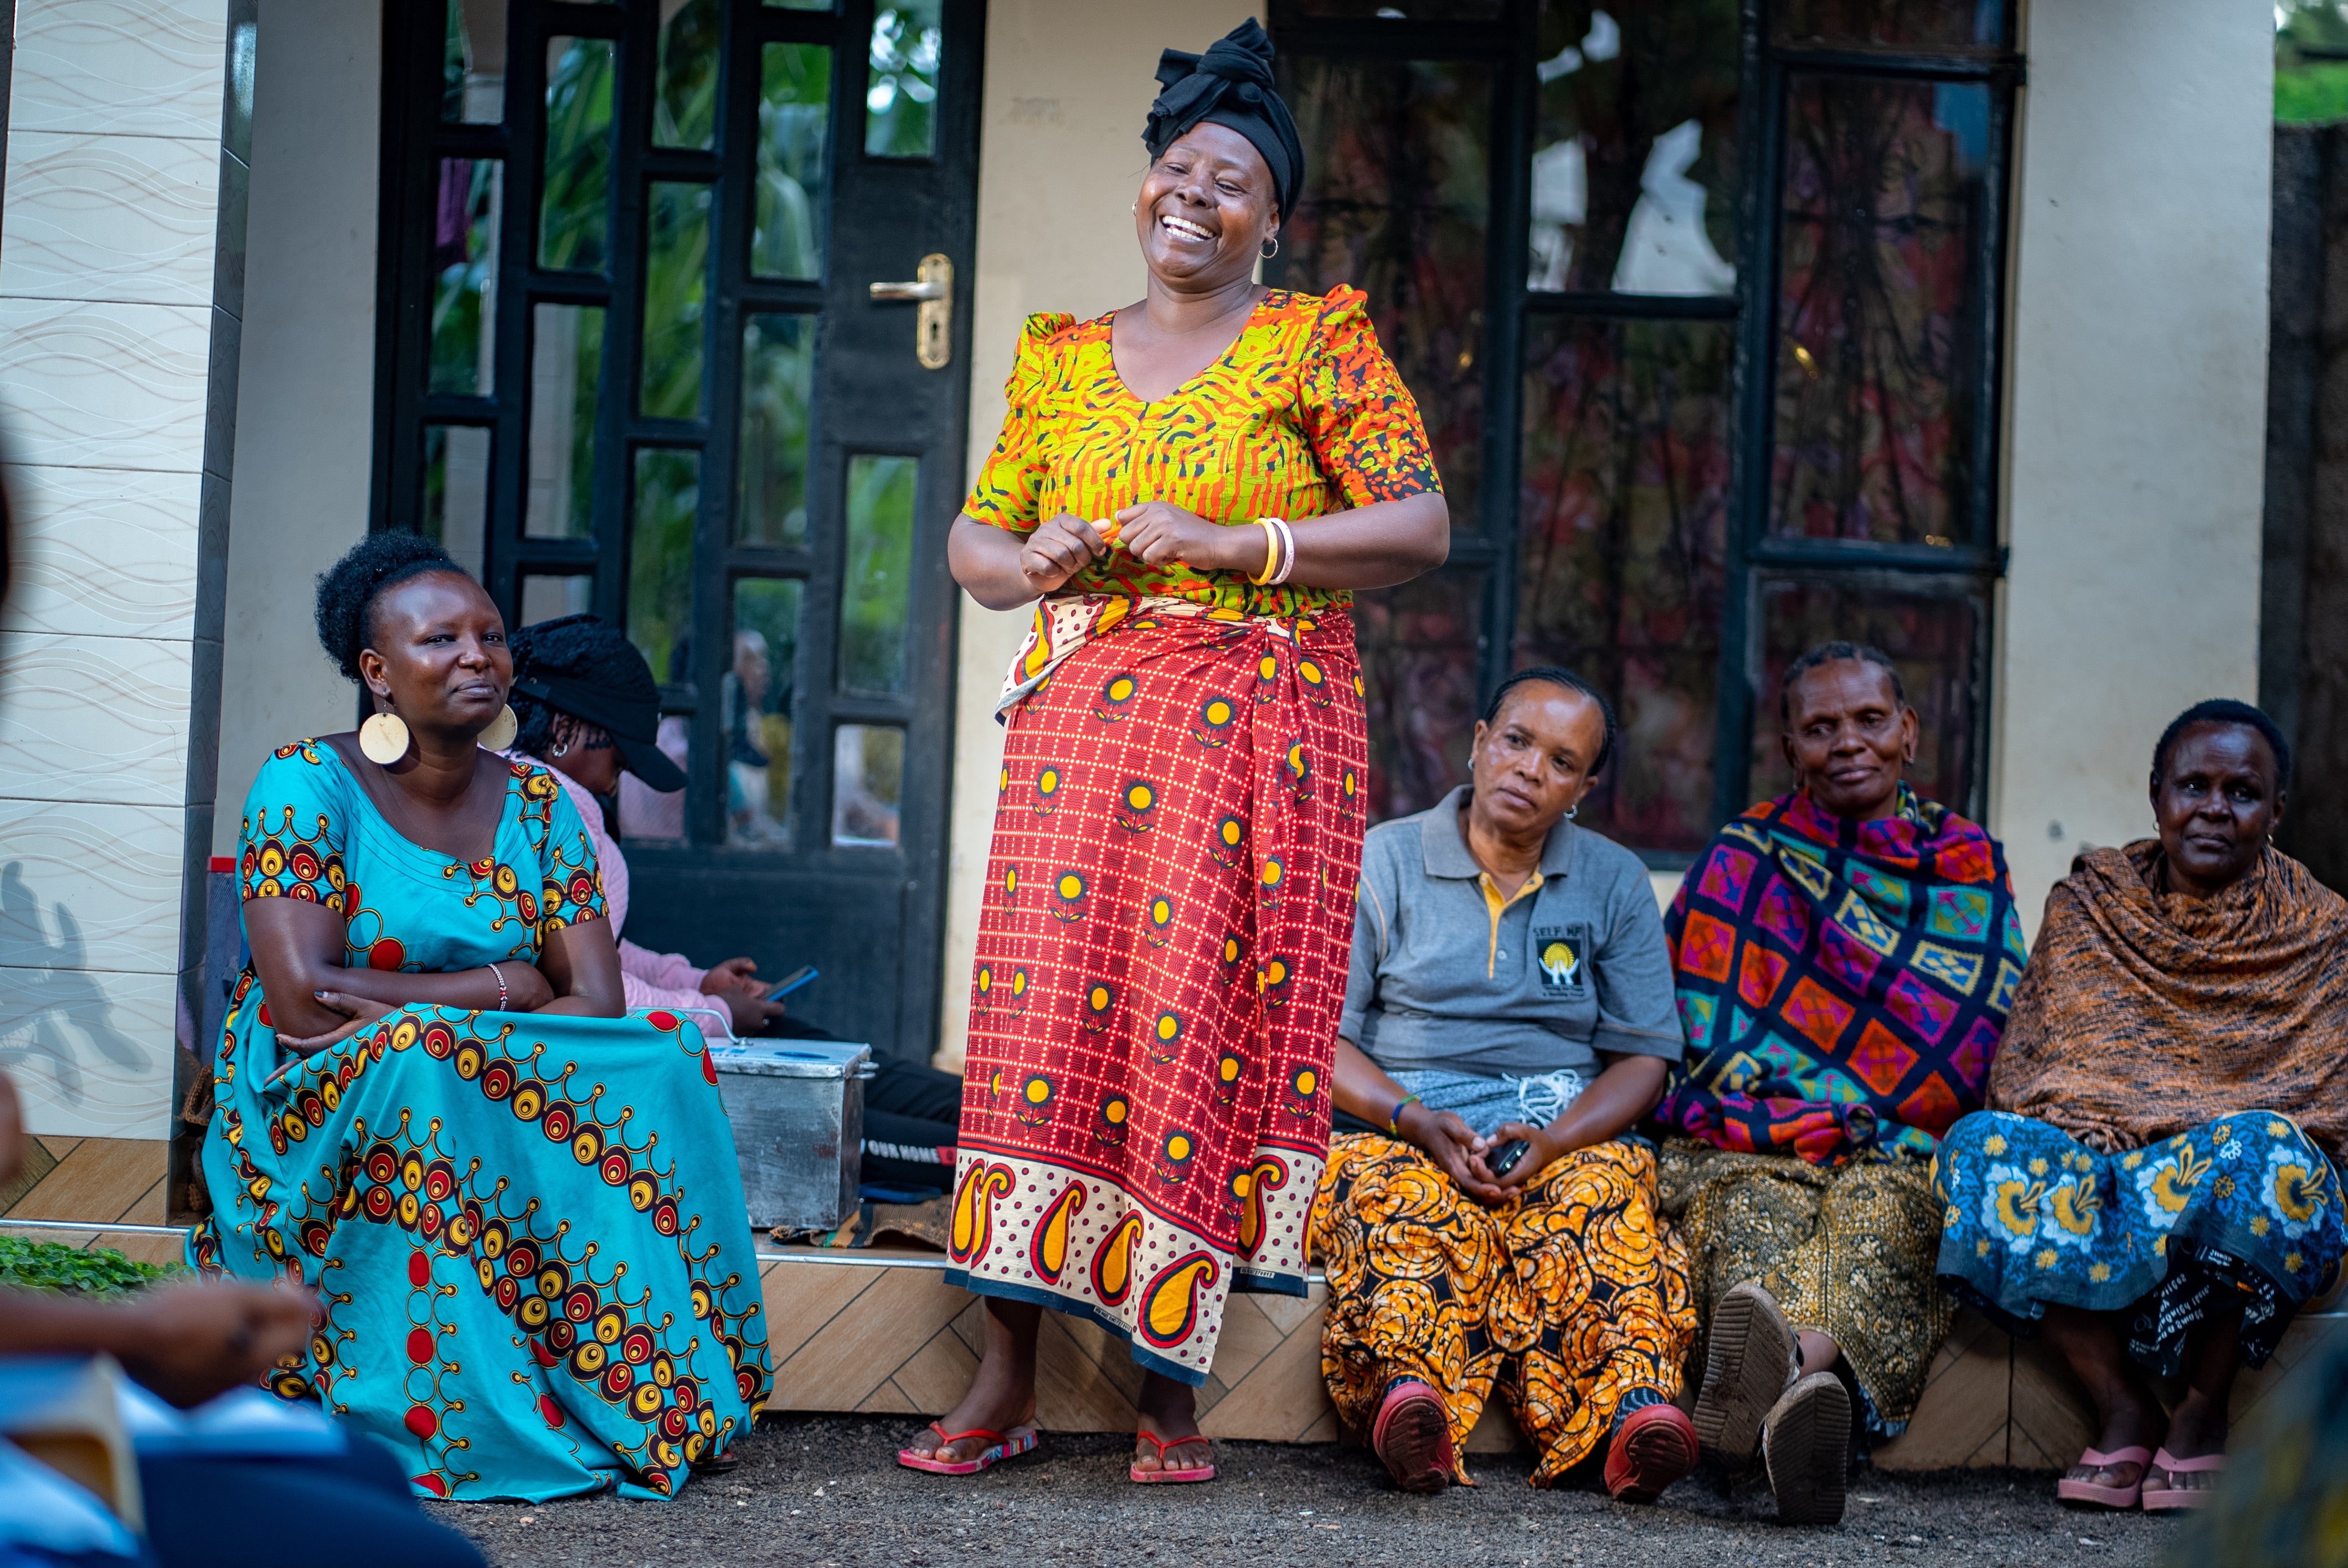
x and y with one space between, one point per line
1558 953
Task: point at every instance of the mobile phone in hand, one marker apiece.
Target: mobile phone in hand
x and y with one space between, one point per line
1503 1160
793 981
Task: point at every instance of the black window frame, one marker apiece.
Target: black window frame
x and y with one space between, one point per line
1968 566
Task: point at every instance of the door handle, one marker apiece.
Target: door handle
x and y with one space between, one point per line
933 326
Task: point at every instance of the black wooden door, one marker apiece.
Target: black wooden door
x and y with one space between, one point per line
635 365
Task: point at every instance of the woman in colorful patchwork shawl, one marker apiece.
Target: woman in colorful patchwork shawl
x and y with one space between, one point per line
2155 1187
1844 958
1192 485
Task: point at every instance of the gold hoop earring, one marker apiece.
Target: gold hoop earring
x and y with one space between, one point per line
383 739
1268 254
500 733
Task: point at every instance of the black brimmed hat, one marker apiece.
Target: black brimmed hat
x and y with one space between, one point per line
581 665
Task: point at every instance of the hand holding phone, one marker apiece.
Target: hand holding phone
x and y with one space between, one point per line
793 981
1503 1160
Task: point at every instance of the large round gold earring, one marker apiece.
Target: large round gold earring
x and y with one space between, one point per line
500 733
383 739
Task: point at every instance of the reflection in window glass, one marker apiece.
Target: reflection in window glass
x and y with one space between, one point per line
645 812
868 776
1907 24
1420 645
545 598
1402 10
794 114
1394 203
876 595
1877 289
1624 535
573 216
566 367
465 276
800 4
1931 637
900 103
660 558
1635 148
684 97
457 490
757 708
675 271
473 65
778 378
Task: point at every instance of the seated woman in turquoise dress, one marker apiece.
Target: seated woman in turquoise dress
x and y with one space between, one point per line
2153 1186
520 1210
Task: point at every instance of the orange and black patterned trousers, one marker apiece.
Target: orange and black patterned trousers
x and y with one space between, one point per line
1567 1299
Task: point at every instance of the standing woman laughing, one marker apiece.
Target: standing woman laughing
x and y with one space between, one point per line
1191 485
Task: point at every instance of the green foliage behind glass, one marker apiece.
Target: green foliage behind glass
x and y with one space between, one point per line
2311 79
99 1271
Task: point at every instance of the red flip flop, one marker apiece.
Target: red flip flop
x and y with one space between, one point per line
2175 1499
1164 1475
2095 1495
1000 1446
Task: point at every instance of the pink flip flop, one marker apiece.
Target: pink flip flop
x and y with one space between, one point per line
1000 1446
2174 1499
2095 1496
1162 1475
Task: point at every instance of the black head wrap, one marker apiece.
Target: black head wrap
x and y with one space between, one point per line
1229 85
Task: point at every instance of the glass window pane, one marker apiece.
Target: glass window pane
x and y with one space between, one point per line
1420 646
1624 532
800 4
793 119
465 276
1907 24
1401 10
1394 203
574 215
758 709
1877 362
778 378
646 814
878 594
684 99
868 776
545 598
1931 637
900 100
660 555
457 490
566 369
676 272
473 63
1635 148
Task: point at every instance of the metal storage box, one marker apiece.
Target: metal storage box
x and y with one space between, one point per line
797 1111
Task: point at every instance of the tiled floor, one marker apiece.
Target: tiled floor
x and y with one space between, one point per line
120 1180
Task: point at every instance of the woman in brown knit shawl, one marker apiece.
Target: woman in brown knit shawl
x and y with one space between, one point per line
2153 1186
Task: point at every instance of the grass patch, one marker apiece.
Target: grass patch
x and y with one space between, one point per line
99 1272
2311 92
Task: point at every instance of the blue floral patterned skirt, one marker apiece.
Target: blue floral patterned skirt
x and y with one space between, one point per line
2243 1206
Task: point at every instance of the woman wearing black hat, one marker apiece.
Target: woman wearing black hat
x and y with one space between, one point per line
1190 484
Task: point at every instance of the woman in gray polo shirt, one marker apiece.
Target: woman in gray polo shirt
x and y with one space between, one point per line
1510 986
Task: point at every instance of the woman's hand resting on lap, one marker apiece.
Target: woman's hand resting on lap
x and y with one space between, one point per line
1447 1139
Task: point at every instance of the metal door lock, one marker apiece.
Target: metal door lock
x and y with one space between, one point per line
934 327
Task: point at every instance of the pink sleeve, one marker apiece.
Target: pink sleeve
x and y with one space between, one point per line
646 993
669 970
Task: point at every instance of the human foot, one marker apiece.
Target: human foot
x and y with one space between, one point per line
1169 1440
1412 1436
1002 1399
1805 1444
1750 1356
2191 1460
2111 1473
1651 1448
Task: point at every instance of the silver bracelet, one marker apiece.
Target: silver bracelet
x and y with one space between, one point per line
1287 550
501 985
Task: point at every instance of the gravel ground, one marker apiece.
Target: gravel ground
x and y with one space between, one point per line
826 1491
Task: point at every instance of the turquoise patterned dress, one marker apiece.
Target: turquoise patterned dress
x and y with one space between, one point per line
526 1231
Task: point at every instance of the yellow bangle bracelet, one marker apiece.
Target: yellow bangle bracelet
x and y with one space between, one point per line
1271 551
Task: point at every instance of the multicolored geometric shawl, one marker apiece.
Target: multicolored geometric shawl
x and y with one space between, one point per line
2143 1014
1843 984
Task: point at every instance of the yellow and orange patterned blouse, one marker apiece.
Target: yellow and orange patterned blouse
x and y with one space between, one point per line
1304 415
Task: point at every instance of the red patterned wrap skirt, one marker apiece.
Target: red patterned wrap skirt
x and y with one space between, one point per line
1160 964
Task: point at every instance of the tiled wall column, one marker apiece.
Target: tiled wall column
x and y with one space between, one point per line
122 285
